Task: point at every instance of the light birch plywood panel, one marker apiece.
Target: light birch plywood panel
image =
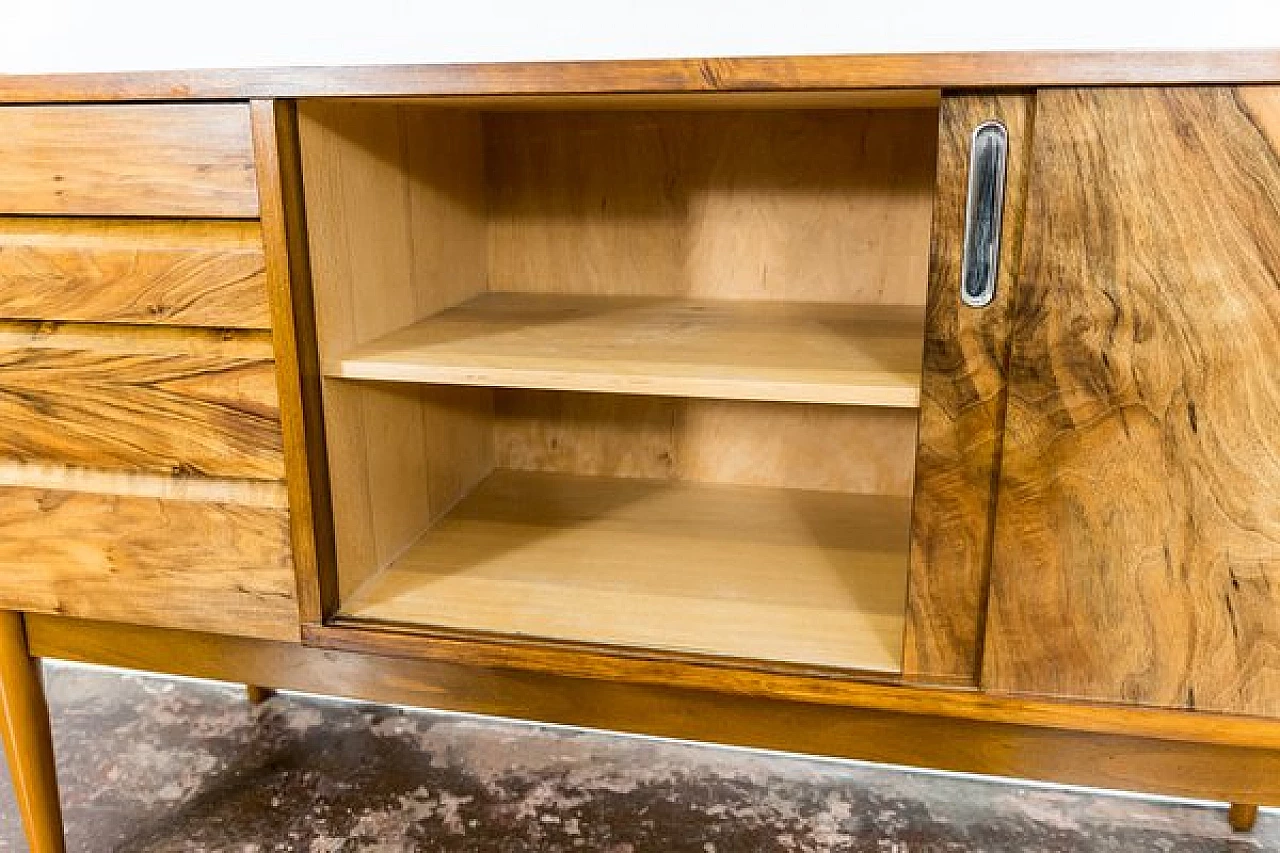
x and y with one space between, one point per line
768 574
810 206
829 448
419 213
395 219
807 353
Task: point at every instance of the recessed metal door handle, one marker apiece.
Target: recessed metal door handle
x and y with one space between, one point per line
984 211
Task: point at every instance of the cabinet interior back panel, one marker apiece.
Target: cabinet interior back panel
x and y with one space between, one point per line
824 448
820 205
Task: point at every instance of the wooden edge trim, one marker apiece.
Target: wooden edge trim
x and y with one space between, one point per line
957 704
1020 69
526 645
288 269
1207 770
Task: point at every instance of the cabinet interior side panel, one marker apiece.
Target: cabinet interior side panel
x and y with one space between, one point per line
449 233
822 206
396 217
862 450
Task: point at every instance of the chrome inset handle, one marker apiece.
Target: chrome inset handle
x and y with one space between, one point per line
988 153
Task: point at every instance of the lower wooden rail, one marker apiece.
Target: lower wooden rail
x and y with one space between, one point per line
1226 772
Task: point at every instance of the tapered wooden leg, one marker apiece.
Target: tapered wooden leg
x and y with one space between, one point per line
257 695
1242 816
24 718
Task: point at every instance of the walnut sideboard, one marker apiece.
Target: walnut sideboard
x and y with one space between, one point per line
919 409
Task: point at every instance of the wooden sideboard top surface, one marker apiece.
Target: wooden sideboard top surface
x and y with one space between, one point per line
1000 70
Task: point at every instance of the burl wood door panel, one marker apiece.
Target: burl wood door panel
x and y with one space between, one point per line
1137 545
962 401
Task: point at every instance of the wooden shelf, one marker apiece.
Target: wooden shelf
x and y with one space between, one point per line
767 574
791 352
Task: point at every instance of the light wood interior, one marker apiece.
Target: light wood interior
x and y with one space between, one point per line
791 352
628 376
660 564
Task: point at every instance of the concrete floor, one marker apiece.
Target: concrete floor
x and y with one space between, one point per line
149 764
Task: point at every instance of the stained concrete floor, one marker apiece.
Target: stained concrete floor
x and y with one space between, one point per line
154 765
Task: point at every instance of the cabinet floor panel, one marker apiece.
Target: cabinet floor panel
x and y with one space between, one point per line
765 574
792 352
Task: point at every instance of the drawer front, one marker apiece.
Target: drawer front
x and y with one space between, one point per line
148 550
154 272
184 401
128 160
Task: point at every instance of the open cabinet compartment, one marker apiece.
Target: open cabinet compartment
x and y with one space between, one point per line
628 373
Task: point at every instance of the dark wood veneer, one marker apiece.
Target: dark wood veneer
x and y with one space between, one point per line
891 71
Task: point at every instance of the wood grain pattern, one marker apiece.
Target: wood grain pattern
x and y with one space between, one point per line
183 401
787 352
962 405
1137 552
829 448
780 575
194 564
133 271
127 160
810 206
288 269
28 742
1000 69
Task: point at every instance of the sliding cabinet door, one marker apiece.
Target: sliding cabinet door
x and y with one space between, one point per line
962 399
1137 545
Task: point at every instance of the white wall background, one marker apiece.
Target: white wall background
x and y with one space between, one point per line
38 36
